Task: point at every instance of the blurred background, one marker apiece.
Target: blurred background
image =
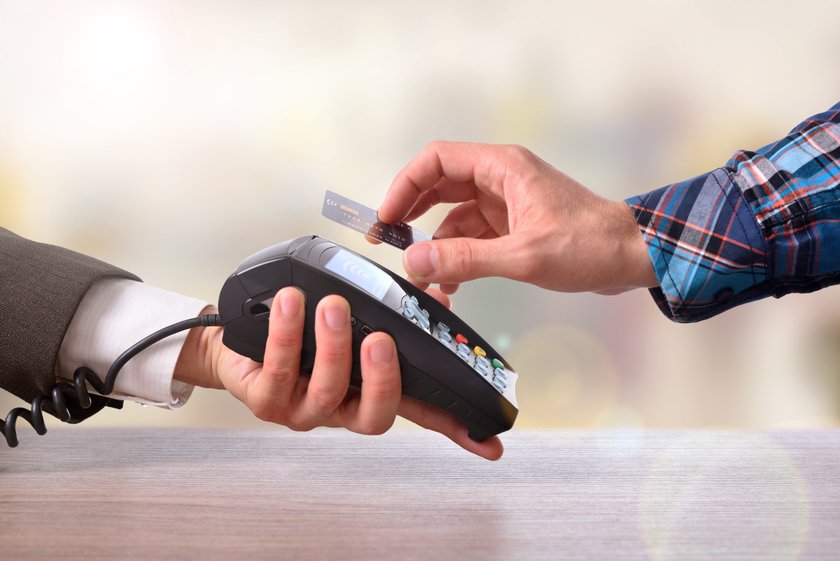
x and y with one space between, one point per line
176 138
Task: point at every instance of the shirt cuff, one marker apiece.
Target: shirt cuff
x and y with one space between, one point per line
705 245
113 315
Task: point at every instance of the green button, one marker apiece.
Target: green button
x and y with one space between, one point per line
497 363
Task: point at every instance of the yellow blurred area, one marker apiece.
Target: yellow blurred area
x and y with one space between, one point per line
176 138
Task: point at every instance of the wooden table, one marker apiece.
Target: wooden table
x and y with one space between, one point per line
199 494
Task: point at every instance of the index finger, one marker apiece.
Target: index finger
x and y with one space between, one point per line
456 162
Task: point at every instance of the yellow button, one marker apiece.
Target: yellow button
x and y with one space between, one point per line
479 351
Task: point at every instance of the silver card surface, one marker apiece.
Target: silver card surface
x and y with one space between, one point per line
364 220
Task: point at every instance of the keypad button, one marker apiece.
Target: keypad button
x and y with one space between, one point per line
497 363
461 339
422 321
464 351
444 336
499 374
442 327
482 365
479 351
499 385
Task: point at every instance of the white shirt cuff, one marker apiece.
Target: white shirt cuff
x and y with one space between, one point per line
113 315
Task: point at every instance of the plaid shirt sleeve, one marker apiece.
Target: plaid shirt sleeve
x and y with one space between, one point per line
765 224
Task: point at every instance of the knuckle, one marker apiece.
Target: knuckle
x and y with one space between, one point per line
285 338
334 349
376 427
388 387
263 411
325 399
518 152
432 153
382 390
283 374
434 146
519 158
299 426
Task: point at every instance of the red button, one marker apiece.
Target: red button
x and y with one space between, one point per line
461 339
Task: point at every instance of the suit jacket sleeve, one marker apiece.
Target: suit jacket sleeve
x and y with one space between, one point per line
40 288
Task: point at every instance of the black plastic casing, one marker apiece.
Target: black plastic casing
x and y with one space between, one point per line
430 371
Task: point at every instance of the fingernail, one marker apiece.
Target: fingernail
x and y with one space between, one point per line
290 302
381 351
336 316
422 259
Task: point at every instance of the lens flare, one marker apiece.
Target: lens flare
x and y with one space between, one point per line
724 495
567 377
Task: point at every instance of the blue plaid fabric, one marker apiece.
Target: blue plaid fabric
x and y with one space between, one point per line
765 224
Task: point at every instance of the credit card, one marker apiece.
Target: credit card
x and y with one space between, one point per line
363 219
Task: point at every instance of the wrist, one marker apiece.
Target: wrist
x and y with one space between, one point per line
198 357
639 268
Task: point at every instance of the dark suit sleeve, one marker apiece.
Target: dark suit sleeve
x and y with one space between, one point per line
40 288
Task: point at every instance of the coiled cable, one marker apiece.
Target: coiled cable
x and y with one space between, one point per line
65 398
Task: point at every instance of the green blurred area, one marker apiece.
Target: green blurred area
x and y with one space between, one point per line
174 139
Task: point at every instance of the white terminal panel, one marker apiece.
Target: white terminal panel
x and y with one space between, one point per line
501 378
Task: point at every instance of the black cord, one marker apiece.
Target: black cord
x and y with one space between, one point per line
65 397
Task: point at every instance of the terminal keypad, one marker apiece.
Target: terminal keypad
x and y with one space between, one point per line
491 369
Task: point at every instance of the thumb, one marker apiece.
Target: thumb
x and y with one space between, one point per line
455 260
